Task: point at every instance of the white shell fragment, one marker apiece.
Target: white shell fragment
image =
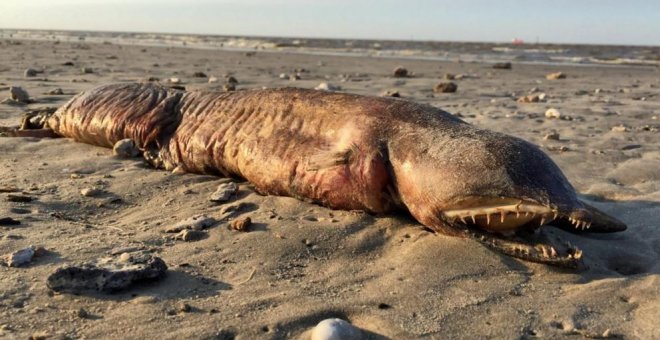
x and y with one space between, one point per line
324 86
20 257
336 329
198 222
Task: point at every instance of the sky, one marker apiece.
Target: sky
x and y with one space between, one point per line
630 22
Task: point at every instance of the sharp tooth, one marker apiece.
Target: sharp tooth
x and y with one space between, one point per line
556 215
542 220
474 220
578 254
462 219
553 252
503 215
545 251
517 213
488 219
588 225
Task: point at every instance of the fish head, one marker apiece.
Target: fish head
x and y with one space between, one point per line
468 181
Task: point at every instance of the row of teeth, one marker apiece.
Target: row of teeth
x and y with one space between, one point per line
579 224
519 209
548 252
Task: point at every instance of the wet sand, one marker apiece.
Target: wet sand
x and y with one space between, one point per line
302 263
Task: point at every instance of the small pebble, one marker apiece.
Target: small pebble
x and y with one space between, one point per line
324 86
619 128
445 87
502 66
241 224
55 91
30 72
551 136
554 76
335 329
125 148
190 235
183 307
532 98
552 113
86 70
20 257
18 94
390 93
224 192
82 313
400 72
90 192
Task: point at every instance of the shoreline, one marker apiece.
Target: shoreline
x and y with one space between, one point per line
263 44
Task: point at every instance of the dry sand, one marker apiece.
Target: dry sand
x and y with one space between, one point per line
303 263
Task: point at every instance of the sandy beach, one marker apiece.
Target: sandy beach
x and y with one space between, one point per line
302 263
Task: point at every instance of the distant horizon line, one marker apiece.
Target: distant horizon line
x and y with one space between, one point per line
333 38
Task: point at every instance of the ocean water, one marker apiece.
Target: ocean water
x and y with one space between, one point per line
431 50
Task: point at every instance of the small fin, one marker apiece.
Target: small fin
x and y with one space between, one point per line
329 158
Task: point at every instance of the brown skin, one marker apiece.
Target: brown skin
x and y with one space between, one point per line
339 150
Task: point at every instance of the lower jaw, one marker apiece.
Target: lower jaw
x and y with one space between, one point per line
528 245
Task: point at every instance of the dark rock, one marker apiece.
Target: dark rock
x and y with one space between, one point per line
231 80
199 75
68 63
108 275
18 94
502 66
229 87
400 72
30 72
55 91
445 88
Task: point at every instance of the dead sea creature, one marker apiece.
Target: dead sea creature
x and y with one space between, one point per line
349 152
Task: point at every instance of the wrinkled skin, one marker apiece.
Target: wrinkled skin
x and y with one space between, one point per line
347 151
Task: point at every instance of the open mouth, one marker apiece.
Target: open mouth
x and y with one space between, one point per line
511 226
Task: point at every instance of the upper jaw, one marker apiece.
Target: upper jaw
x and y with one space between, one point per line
506 214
